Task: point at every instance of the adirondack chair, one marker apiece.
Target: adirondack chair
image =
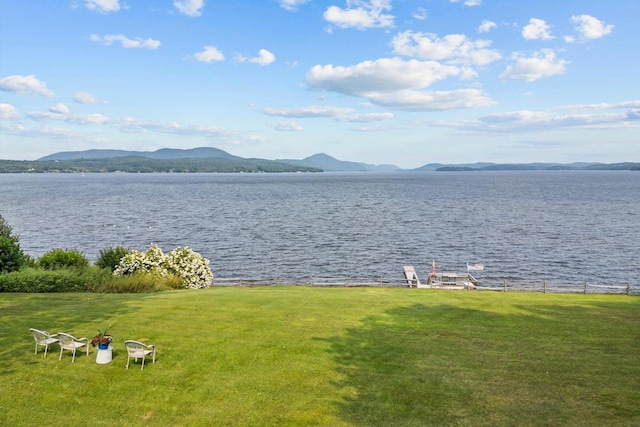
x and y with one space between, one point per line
138 350
69 342
44 339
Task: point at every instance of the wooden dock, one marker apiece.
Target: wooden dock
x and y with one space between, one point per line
411 276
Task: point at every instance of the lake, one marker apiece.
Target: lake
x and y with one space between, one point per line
559 226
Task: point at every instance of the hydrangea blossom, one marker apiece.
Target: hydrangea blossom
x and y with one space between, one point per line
191 267
151 261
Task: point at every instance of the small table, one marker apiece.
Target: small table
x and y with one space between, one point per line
104 356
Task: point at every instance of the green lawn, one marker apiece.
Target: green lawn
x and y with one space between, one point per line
294 356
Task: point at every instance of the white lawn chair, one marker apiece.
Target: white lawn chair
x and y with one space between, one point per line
44 339
138 350
69 342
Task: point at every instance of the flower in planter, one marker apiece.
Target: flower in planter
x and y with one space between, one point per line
103 337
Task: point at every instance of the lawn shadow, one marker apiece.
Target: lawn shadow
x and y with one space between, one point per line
387 372
446 365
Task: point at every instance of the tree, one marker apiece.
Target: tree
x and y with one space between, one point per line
11 256
7 231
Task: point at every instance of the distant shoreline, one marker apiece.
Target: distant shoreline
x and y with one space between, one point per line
136 164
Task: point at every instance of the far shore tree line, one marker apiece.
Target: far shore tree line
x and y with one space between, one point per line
117 269
136 164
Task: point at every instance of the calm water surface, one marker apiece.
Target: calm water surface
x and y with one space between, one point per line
567 227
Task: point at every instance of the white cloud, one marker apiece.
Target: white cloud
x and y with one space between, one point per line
291 5
469 3
537 29
366 117
56 133
60 113
603 106
455 48
209 54
25 84
88 119
415 100
396 84
264 58
590 27
537 121
542 64
86 98
103 6
59 109
127 43
285 126
487 26
77 119
542 121
340 114
132 125
361 14
420 14
189 7
382 75
8 112
312 111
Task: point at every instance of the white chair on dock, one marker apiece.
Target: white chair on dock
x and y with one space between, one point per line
411 276
138 350
69 342
44 339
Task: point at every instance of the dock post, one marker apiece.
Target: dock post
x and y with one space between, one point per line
585 288
544 287
628 288
504 282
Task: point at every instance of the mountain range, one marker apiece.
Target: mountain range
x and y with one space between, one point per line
318 161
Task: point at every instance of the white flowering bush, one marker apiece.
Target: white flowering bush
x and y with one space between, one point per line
151 261
191 267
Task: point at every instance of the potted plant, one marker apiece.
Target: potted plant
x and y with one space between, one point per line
102 340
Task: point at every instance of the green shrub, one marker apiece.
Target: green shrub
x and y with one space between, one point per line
37 280
11 256
137 283
110 257
92 279
60 258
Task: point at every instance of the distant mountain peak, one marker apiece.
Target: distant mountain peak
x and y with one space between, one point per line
163 153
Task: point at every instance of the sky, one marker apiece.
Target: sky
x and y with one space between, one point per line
402 82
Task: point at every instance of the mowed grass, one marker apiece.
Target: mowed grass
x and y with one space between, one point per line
296 356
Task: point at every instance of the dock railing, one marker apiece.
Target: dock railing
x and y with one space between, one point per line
554 287
382 282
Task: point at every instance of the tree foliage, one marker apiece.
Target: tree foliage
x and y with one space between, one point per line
137 164
110 257
11 256
7 231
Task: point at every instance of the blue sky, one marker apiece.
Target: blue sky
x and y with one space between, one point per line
378 81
